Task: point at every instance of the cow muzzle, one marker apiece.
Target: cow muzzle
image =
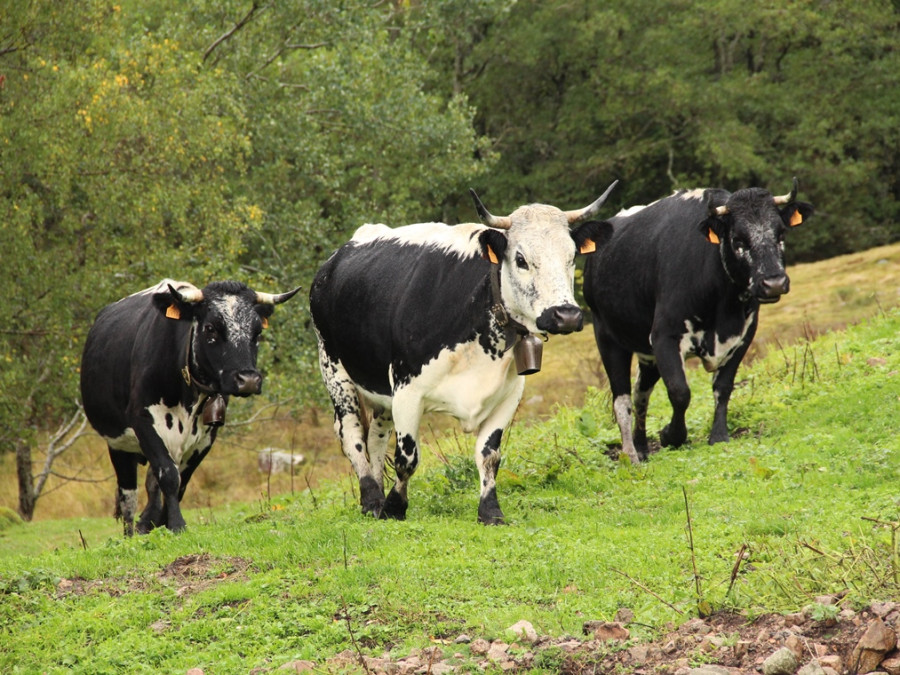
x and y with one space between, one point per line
772 288
561 319
247 383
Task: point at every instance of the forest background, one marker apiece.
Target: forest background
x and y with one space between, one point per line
248 139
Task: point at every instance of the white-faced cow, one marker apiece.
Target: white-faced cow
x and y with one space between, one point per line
685 277
422 317
156 372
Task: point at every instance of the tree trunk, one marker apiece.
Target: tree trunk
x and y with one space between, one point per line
26 480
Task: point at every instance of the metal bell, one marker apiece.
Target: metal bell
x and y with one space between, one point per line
528 353
214 411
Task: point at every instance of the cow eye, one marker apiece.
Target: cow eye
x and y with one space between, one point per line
210 332
520 262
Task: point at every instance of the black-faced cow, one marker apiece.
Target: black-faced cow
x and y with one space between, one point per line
156 372
685 277
421 318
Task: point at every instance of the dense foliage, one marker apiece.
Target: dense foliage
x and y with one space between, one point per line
247 139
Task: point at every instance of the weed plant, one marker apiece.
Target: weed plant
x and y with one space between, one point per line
801 503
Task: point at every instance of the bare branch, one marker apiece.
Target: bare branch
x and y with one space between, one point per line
256 417
225 36
58 443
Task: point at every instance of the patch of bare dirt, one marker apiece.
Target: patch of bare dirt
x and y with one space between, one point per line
723 644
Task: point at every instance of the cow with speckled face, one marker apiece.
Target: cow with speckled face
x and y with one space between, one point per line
424 318
156 373
684 277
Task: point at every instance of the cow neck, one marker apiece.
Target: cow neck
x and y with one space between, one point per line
512 329
745 295
190 379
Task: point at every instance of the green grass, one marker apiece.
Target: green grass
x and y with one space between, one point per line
306 577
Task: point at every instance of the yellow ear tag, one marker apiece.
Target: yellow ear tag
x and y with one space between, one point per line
492 256
589 246
172 312
796 219
265 322
713 238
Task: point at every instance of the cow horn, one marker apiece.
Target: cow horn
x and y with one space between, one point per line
500 222
269 299
187 293
720 210
590 211
790 196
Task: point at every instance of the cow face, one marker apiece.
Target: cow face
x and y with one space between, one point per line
537 265
749 230
227 320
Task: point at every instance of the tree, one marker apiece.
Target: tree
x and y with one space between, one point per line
115 157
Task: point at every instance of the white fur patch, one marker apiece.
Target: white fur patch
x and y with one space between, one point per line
722 350
463 382
459 239
179 439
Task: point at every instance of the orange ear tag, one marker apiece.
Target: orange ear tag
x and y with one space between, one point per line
796 219
492 256
172 312
265 322
589 246
713 238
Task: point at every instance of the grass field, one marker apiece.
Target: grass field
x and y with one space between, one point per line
802 502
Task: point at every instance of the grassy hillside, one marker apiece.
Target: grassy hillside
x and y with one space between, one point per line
824 295
785 512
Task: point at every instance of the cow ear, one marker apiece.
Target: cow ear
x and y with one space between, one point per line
712 228
796 213
172 304
493 245
264 311
592 235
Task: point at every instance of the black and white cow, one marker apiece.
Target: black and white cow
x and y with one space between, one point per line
685 277
421 318
156 372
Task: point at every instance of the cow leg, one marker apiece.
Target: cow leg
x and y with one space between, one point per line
407 411
670 363
723 385
125 466
192 465
487 455
165 471
350 430
152 515
377 443
647 377
617 364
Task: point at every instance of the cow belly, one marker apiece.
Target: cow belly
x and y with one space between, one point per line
180 432
468 384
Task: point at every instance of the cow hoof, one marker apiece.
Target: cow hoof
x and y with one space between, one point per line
492 520
670 438
489 511
144 527
394 507
371 496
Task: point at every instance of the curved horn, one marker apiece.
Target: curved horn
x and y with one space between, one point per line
187 293
790 196
590 211
720 210
500 222
269 299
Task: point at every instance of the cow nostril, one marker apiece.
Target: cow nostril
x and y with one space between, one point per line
775 286
248 382
561 319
